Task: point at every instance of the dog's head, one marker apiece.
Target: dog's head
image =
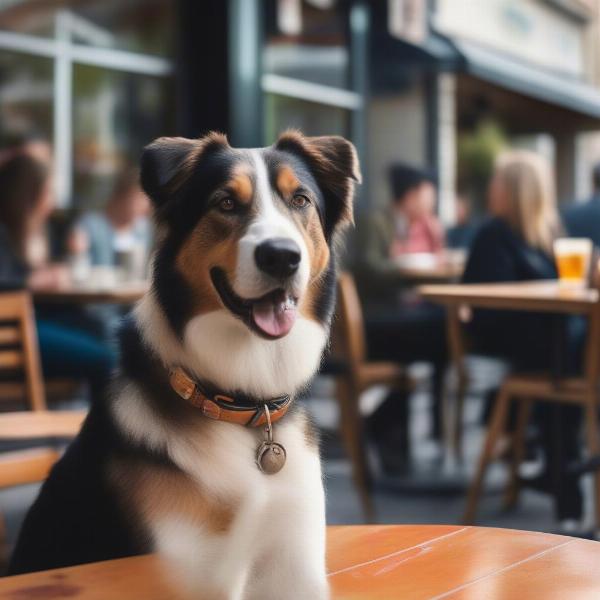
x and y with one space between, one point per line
248 233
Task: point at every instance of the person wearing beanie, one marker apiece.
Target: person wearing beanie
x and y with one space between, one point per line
413 204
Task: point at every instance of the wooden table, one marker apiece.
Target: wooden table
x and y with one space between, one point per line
122 293
20 467
442 270
538 296
535 296
40 424
435 273
410 562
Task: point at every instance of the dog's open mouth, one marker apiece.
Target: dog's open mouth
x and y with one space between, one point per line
272 315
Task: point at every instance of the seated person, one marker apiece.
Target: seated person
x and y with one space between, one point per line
515 244
398 326
408 225
417 228
124 225
26 202
583 219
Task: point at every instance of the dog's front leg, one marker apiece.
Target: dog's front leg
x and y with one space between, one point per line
196 563
212 566
296 571
292 565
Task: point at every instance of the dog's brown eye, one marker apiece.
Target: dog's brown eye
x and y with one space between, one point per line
300 201
227 205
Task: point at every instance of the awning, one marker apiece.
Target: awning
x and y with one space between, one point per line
505 71
395 57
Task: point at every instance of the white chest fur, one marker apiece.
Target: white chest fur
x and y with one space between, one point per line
274 547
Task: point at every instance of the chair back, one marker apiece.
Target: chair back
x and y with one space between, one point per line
19 352
349 325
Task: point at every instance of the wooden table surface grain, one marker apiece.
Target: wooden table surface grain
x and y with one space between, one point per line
409 562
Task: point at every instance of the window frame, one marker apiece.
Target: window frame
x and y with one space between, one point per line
65 53
353 100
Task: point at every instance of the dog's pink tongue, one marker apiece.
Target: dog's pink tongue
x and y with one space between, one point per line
275 317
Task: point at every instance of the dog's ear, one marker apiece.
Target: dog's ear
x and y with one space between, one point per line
168 162
334 164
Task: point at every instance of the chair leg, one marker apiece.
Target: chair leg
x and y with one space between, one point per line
461 390
495 430
593 443
353 436
511 495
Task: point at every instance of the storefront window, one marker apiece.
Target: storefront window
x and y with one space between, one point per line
311 118
308 40
25 96
114 115
144 26
96 86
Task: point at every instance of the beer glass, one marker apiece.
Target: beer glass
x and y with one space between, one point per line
573 257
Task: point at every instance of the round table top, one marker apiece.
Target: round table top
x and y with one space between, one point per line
432 562
411 562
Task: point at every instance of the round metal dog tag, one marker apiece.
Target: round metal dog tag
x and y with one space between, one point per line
270 457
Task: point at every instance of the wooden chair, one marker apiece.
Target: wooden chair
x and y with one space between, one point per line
358 375
21 378
19 353
21 467
525 390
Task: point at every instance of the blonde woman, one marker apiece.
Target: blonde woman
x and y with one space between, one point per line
515 244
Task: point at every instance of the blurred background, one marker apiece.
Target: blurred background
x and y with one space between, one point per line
432 93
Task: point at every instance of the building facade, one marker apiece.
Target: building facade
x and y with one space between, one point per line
416 81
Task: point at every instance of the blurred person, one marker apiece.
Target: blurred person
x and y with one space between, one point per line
123 226
398 326
26 202
417 228
515 244
407 225
583 219
24 142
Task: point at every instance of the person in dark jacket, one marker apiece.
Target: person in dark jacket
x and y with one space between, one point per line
583 219
26 201
515 244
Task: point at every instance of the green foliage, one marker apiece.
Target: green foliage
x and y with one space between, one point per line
477 151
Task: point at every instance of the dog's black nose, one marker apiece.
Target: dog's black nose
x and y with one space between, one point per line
278 257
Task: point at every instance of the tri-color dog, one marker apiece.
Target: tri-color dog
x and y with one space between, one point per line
199 452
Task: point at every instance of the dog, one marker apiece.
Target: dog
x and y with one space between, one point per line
199 452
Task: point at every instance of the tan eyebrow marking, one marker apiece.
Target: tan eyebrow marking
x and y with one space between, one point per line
240 184
287 182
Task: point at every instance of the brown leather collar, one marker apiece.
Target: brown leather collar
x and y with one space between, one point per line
221 407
